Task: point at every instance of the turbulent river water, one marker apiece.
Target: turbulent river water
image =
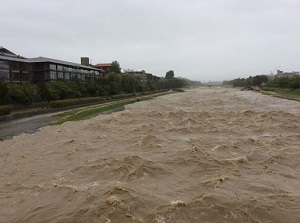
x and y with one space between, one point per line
205 155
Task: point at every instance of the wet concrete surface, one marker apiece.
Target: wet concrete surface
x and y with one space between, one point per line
12 128
9 129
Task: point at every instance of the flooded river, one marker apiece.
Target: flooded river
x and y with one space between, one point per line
205 155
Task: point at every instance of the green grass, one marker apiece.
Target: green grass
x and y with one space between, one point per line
93 111
286 93
162 94
88 113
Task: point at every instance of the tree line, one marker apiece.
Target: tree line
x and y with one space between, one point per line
263 80
258 80
116 83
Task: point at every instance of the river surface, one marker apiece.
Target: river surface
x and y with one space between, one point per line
205 155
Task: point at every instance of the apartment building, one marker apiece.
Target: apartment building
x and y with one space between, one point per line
15 68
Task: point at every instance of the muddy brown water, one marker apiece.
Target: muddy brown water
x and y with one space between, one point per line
206 155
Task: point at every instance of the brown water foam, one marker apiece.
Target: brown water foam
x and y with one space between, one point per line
206 155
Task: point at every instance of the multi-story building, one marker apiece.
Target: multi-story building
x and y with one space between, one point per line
140 74
14 68
287 74
104 68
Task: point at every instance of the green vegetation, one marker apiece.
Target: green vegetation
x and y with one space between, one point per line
5 110
121 96
170 74
262 81
178 90
285 82
66 93
114 84
93 111
115 67
75 101
291 94
90 112
258 80
284 87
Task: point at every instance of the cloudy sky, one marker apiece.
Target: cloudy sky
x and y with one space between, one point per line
205 40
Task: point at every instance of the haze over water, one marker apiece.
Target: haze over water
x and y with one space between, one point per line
205 155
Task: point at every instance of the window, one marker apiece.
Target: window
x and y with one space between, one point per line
4 74
59 68
25 76
4 65
67 76
15 76
52 67
4 70
73 76
60 75
52 75
38 66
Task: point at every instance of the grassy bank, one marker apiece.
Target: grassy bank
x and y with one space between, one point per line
93 111
286 93
90 112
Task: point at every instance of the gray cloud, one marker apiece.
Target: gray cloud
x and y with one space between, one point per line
201 40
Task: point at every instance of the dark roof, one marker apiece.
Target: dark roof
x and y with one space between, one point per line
50 60
6 51
45 60
19 59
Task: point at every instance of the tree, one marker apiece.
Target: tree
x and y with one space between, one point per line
130 83
115 82
295 82
115 67
4 93
170 74
259 80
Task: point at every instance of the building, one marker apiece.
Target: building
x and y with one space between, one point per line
104 68
140 74
14 68
287 74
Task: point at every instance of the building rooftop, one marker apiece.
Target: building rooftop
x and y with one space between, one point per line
10 58
6 52
50 60
45 60
103 65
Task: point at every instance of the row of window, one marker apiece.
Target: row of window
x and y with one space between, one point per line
43 71
71 76
54 67
14 76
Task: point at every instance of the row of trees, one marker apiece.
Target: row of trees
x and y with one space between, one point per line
258 80
263 80
285 82
114 84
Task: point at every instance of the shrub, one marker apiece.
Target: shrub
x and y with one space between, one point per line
25 94
4 93
178 90
74 101
120 96
5 110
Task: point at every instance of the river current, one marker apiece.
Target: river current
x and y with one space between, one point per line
204 155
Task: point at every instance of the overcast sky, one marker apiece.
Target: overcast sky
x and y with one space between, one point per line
205 40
